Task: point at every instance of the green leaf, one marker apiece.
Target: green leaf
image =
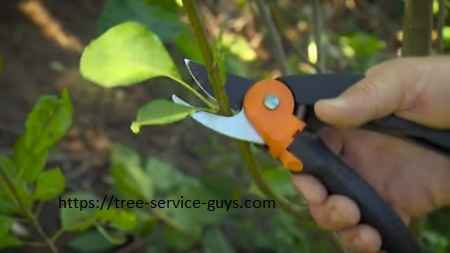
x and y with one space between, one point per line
49 184
120 219
6 239
159 16
159 112
164 176
129 178
178 241
91 242
214 241
126 54
5 224
47 123
78 211
279 180
9 241
8 199
192 220
362 49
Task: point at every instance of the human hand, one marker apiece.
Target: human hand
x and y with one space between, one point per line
412 179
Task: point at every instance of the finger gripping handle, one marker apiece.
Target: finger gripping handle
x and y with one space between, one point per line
321 162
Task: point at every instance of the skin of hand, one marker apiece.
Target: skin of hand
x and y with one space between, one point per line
412 179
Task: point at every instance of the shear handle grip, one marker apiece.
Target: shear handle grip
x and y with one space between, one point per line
395 125
321 162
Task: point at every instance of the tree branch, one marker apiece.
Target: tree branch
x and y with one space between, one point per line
417 26
274 36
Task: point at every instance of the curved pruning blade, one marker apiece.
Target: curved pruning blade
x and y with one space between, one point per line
237 126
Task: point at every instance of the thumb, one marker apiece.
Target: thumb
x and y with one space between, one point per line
387 88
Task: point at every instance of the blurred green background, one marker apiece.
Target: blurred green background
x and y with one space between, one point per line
40 46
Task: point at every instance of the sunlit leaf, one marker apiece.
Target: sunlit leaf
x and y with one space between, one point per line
159 112
126 54
312 52
49 184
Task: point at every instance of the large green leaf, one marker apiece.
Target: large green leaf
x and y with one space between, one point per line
126 54
159 112
49 184
47 123
129 178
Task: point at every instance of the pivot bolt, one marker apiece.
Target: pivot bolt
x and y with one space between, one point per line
271 102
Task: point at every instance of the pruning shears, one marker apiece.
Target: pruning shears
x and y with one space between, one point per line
266 115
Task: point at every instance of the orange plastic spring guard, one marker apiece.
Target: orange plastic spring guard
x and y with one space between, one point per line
269 106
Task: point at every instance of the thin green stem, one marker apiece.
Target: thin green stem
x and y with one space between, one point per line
196 93
219 93
27 213
212 65
37 226
57 234
255 172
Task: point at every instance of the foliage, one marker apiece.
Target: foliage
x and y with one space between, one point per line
160 112
23 180
125 55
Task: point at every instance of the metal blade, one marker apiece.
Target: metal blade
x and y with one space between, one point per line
237 126
307 89
235 86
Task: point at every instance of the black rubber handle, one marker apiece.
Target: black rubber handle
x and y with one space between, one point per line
322 163
438 138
